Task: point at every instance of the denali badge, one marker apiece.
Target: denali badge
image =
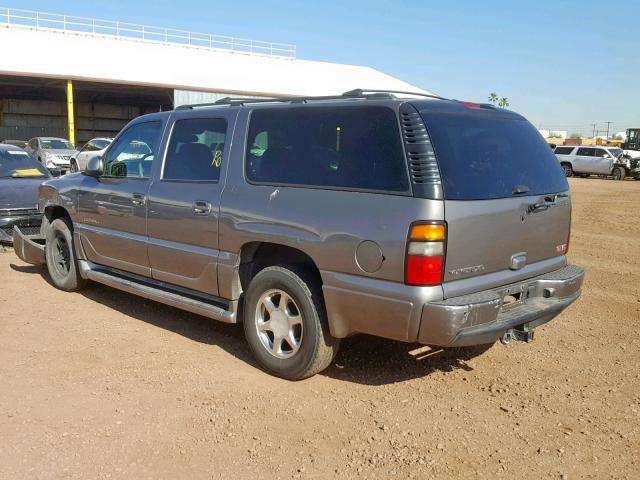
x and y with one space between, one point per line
465 270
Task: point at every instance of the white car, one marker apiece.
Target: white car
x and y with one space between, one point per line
591 160
93 147
52 152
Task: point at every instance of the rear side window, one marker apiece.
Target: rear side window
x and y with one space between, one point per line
586 152
563 150
333 147
484 155
195 150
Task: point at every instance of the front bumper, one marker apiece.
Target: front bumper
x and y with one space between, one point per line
484 317
29 224
29 248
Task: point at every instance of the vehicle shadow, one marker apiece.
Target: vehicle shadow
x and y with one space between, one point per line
376 361
362 359
37 269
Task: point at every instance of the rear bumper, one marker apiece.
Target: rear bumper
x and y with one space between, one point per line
483 317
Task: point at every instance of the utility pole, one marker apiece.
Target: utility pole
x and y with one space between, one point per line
608 123
594 130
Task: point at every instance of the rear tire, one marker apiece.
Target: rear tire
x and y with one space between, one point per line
567 169
73 168
285 323
61 258
619 173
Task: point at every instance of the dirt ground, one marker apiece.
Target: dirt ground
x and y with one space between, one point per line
102 384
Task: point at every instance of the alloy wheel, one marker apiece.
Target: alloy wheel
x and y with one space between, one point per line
278 321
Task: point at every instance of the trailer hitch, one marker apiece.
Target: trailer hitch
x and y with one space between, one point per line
521 333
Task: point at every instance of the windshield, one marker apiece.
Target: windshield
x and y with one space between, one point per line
616 152
18 164
485 154
101 144
55 144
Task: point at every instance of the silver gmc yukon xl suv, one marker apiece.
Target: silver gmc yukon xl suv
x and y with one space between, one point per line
312 219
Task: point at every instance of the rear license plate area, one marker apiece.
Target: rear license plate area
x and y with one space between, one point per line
513 297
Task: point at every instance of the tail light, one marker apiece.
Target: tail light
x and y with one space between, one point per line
425 254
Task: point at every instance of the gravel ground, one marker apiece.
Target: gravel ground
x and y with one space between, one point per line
102 384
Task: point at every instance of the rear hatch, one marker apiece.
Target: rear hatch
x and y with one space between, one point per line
506 199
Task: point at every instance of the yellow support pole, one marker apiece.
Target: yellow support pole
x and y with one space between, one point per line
72 128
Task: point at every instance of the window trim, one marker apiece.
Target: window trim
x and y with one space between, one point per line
168 142
158 121
403 193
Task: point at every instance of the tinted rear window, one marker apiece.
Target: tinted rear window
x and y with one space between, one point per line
334 147
484 155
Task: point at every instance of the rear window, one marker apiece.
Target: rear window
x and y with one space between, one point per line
563 150
484 155
333 147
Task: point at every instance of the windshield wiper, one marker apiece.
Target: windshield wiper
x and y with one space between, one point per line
519 190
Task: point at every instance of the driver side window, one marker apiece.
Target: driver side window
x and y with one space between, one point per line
131 155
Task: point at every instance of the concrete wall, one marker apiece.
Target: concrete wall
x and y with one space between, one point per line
138 62
23 119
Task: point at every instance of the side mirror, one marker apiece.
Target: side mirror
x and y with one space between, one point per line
94 166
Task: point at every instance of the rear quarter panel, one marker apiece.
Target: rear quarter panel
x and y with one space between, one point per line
327 225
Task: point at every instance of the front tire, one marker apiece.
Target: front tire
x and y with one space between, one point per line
73 168
619 173
285 323
567 169
60 255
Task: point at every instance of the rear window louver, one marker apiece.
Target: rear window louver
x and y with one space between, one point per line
421 160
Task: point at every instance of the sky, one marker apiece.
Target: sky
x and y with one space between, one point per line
563 65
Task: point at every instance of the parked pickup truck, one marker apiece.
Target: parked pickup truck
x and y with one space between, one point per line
312 219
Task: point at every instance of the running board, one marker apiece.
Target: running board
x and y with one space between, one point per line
157 293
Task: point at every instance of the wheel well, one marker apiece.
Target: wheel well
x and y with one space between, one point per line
566 163
54 212
256 256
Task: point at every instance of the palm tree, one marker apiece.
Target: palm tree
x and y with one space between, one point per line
493 97
503 103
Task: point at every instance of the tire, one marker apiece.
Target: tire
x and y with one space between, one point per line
567 169
61 258
74 166
297 305
619 173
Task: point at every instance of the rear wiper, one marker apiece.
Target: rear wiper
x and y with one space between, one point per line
519 190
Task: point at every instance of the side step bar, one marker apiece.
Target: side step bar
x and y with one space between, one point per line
159 294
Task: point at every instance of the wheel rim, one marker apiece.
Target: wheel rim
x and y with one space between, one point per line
61 255
278 322
616 174
566 170
74 167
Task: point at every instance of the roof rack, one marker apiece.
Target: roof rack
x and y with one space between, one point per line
357 93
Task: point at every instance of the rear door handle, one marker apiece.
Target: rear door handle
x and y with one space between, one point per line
201 207
138 198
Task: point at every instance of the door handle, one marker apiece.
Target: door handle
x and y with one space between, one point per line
537 207
201 207
138 199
